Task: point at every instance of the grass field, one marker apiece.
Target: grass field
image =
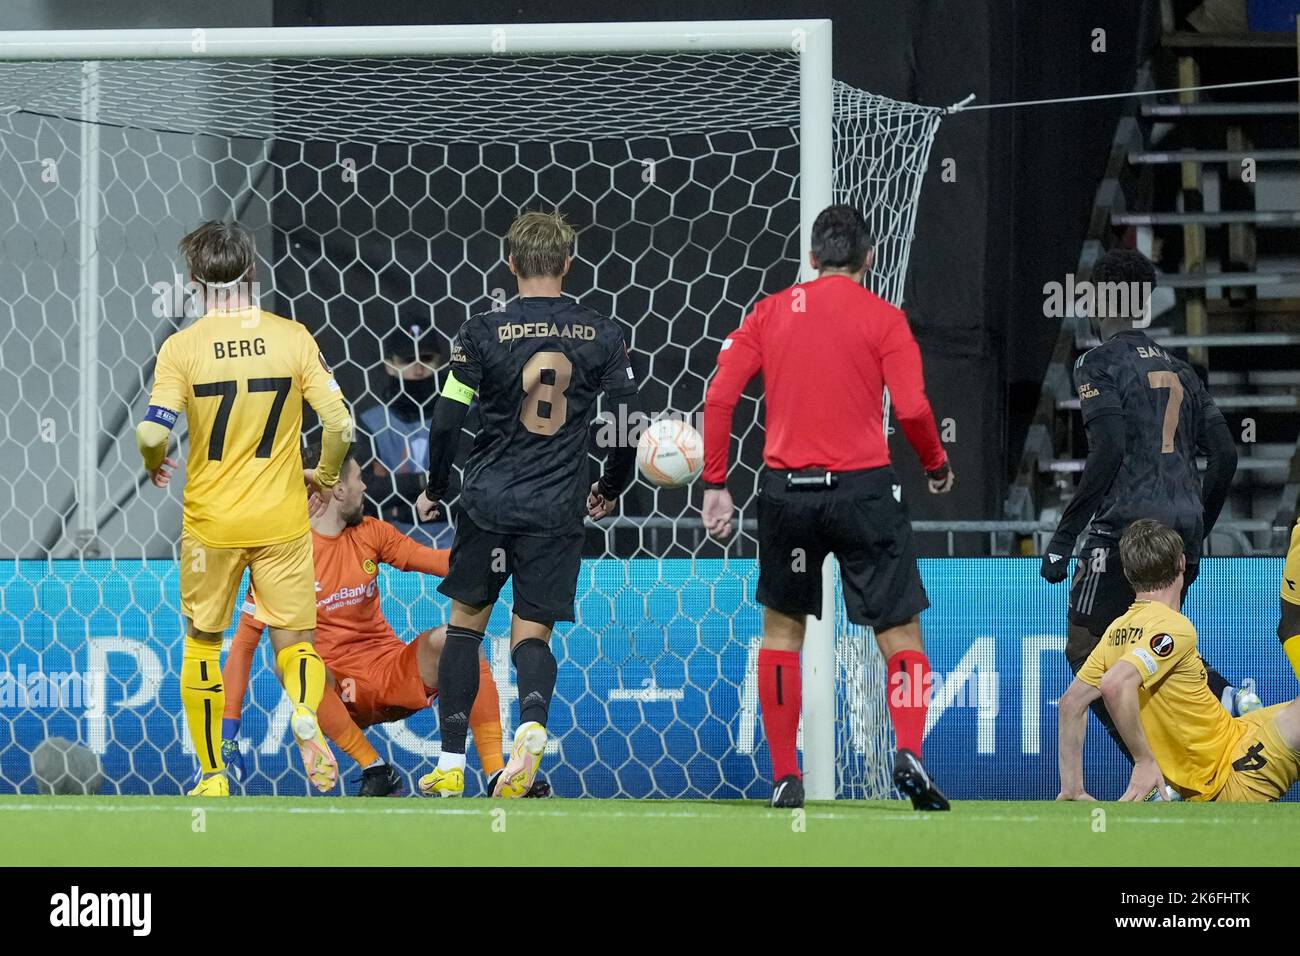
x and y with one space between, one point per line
118 831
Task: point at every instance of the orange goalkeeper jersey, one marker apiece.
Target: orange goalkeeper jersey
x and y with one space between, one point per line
351 630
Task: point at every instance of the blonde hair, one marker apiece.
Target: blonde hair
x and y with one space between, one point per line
539 243
1149 552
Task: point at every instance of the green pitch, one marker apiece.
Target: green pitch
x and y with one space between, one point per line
118 831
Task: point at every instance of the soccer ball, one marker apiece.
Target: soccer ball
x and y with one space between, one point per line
670 453
60 766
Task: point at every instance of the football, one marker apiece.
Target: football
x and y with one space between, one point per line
670 453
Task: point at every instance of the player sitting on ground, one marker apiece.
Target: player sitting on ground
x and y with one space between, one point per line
1147 415
374 677
1148 671
240 376
537 366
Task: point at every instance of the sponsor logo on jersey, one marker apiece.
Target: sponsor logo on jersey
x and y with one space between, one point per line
368 566
1162 645
1087 391
346 596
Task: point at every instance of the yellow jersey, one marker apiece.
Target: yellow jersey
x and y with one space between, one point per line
1190 733
240 378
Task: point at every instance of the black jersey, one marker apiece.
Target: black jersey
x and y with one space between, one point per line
1167 412
537 366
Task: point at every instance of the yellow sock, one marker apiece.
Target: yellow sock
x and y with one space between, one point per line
303 674
1292 647
204 700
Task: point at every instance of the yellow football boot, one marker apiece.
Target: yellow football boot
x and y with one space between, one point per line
213 785
317 758
525 758
443 783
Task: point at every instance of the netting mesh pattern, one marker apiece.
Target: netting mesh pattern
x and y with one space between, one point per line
403 100
378 192
654 694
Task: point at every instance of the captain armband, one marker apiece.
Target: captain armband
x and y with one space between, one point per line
457 391
162 416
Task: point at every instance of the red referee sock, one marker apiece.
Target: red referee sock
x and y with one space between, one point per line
906 692
780 695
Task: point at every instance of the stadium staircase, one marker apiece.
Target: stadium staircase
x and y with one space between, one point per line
1228 298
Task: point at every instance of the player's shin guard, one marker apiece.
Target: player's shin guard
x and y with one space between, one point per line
340 728
303 674
485 721
780 698
535 671
203 698
457 687
909 672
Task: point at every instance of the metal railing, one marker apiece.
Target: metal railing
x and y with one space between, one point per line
1011 532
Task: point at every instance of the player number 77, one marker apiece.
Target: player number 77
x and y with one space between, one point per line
226 391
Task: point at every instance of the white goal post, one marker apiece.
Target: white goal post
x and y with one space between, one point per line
254 108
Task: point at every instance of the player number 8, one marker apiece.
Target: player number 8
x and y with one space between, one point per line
545 379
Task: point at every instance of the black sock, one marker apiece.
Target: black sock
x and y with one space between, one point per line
457 685
535 672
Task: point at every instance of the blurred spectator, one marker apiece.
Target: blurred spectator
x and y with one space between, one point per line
396 430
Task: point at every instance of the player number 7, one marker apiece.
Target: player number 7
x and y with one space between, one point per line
1170 381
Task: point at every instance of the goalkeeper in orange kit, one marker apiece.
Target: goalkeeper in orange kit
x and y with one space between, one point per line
374 677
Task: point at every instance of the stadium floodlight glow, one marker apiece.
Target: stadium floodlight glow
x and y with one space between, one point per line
377 168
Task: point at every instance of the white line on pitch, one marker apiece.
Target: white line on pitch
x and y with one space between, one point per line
814 814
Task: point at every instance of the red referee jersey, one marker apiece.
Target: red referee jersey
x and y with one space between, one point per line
827 349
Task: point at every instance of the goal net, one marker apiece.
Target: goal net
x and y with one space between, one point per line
378 189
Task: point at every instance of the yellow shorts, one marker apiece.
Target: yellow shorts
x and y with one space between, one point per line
1263 766
1291 569
283 575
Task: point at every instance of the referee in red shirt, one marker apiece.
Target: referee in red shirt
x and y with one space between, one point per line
827 349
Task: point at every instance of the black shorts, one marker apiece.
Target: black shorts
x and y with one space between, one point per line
544 568
862 523
1100 592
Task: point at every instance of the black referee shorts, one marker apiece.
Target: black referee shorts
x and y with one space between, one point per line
1100 593
545 570
862 523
